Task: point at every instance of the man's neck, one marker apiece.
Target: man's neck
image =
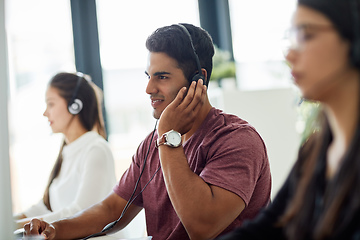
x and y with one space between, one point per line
199 120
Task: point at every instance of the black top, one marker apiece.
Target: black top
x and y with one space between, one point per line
264 226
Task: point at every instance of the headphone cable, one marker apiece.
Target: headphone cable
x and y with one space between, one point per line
132 198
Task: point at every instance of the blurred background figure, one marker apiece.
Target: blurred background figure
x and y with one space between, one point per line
320 199
83 173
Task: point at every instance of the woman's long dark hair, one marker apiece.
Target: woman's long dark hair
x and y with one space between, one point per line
341 200
307 215
90 116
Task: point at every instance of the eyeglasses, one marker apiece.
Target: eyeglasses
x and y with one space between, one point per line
297 37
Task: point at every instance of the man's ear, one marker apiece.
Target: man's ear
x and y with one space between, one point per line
204 73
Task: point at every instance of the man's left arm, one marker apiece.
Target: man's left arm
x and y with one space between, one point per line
204 210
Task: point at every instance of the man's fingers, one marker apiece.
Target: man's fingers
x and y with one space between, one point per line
196 95
36 227
201 102
46 234
179 97
26 228
189 96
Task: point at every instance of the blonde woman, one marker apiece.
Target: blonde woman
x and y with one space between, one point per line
83 173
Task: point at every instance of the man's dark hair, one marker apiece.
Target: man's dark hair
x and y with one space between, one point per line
173 41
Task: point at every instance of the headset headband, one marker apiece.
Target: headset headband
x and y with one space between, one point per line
193 50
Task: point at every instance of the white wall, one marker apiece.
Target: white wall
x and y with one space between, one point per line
273 114
6 223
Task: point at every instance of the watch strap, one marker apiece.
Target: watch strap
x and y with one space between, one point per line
160 140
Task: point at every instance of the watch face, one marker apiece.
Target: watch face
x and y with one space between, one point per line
173 138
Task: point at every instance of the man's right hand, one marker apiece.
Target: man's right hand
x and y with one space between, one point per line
38 227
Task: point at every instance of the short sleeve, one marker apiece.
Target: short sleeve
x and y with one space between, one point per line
236 161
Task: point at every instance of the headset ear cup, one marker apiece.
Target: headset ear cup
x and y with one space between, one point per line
196 77
75 107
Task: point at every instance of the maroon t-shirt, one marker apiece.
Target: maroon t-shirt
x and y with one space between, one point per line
225 151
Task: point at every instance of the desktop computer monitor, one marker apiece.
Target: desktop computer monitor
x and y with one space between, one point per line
6 222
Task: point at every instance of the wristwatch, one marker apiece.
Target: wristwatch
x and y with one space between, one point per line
171 138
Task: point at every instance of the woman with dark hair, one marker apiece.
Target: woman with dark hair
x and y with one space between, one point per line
321 197
83 173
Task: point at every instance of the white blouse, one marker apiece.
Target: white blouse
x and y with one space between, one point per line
86 177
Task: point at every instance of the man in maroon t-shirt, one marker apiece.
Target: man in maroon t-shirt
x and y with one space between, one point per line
202 173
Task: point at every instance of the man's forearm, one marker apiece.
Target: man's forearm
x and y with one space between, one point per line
90 220
84 223
204 210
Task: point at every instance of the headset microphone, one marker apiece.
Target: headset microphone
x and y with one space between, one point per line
198 75
75 105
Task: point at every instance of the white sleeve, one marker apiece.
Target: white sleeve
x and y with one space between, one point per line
97 178
36 210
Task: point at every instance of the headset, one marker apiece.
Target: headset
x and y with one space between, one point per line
75 105
198 75
355 48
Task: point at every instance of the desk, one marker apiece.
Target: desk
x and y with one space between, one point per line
96 238
110 237
115 238
19 233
